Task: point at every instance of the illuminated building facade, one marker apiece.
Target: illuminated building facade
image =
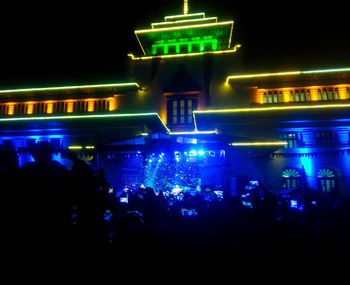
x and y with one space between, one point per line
189 117
291 132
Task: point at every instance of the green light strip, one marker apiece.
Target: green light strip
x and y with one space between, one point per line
245 76
183 27
70 87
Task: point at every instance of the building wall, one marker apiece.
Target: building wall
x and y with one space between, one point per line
208 71
268 168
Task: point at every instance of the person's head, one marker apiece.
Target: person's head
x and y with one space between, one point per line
41 151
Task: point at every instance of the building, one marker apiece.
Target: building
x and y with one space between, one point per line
190 117
291 132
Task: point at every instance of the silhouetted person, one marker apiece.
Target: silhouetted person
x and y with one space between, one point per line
44 210
9 197
85 196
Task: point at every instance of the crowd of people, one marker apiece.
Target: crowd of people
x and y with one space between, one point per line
52 211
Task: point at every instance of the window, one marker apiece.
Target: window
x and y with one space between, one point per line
328 94
264 97
291 178
293 139
336 94
180 111
91 106
327 180
2 109
20 108
10 109
273 96
29 108
69 107
299 95
323 139
60 107
49 107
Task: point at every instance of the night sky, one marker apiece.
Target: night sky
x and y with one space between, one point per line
59 43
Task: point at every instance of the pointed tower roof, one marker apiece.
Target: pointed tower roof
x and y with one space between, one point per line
185 34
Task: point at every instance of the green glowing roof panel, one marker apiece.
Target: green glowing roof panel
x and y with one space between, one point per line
186 39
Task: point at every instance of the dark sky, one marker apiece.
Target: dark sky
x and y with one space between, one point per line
61 42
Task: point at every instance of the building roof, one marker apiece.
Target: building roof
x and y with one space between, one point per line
100 129
185 34
307 76
261 122
66 92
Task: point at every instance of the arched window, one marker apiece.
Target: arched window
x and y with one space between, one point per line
291 178
327 179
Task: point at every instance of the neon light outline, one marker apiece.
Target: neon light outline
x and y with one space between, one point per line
286 73
83 117
200 14
183 27
259 143
235 48
282 108
184 21
70 87
195 133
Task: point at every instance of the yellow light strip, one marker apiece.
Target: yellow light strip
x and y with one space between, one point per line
70 87
327 70
75 147
184 21
143 50
194 121
202 14
164 125
84 117
282 108
184 27
259 143
234 49
229 41
245 76
262 75
185 7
